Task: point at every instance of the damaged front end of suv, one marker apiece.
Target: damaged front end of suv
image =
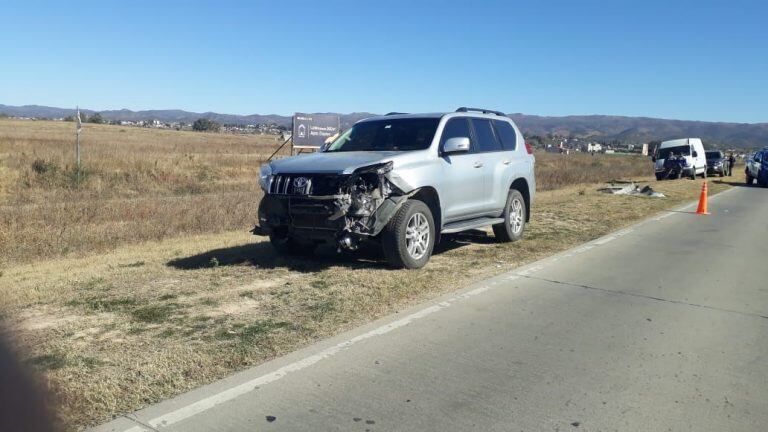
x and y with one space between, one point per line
300 210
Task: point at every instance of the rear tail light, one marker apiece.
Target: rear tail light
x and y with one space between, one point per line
528 147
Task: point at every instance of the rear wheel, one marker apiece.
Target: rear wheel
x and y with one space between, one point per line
514 218
409 237
659 177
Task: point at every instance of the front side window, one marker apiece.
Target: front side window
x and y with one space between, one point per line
485 138
387 135
455 128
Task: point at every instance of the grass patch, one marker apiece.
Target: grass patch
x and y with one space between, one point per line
58 360
155 313
106 305
253 332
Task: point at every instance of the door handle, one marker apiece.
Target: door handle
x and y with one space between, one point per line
478 165
506 162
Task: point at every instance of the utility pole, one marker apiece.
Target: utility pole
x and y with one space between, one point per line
79 127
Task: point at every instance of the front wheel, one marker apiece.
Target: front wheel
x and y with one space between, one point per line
514 218
409 237
749 180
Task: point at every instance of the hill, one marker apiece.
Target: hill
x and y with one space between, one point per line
603 127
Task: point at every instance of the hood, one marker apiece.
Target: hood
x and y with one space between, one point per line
331 162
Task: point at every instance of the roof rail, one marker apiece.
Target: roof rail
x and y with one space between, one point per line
482 110
394 113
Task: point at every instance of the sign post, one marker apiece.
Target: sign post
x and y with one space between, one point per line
78 129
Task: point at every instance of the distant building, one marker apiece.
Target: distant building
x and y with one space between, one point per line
592 147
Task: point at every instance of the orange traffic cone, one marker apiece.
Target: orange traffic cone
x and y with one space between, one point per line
702 210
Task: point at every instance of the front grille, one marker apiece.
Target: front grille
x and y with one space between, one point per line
305 184
290 185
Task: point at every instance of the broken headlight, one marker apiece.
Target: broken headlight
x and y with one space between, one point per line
265 176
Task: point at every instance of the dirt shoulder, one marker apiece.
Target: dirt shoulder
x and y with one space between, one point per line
120 330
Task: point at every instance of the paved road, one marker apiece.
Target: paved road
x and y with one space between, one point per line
663 326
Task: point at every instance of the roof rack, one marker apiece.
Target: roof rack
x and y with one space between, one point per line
394 113
482 110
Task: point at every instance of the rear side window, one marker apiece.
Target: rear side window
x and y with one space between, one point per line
455 128
506 134
486 139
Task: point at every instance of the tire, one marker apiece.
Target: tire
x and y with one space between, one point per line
749 180
286 244
693 174
514 219
703 174
403 241
659 177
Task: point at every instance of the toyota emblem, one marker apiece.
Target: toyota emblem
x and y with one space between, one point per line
300 182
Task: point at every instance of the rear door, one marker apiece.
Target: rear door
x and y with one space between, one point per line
489 153
512 165
462 182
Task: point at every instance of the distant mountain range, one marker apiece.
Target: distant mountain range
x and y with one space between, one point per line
602 127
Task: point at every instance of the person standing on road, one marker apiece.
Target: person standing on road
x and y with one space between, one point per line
731 163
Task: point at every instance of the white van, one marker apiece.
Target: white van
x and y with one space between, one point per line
691 150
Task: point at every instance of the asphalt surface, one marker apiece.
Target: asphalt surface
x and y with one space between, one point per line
662 326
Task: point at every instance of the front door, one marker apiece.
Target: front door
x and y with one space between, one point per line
463 188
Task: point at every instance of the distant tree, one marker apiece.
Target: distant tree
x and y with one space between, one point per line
96 118
69 118
3 115
83 117
205 125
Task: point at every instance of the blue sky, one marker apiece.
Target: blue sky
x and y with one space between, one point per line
686 60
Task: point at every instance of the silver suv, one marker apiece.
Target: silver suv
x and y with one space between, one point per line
402 180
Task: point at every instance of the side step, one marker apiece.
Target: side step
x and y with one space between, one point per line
470 224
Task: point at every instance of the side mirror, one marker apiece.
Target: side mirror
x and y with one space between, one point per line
456 145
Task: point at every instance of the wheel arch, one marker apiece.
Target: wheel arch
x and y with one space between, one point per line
521 185
429 196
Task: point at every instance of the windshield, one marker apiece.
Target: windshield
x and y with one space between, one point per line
678 151
714 155
387 135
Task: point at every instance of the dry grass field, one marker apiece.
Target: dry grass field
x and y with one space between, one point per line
145 184
157 287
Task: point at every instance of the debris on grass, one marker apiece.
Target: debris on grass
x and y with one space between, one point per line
631 189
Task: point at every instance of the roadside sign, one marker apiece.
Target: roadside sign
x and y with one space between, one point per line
311 130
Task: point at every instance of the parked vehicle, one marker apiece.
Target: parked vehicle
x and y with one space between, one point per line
717 163
691 150
757 168
402 180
